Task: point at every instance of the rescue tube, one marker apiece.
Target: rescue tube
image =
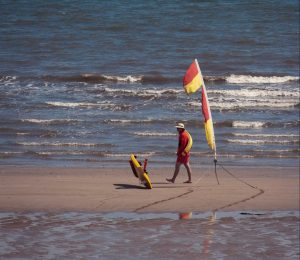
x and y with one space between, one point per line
137 168
133 169
147 181
189 145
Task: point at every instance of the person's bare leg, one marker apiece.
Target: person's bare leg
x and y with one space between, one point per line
189 172
177 168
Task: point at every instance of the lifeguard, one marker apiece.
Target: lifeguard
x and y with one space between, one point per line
185 142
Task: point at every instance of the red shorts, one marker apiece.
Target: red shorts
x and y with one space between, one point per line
184 159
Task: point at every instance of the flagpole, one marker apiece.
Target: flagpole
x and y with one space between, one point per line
215 147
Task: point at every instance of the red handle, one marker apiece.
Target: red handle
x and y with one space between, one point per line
145 164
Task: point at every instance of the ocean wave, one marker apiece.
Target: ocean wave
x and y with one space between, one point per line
250 93
242 104
221 99
196 123
127 155
129 121
88 105
159 79
256 124
71 104
29 132
161 121
153 78
64 144
128 79
155 134
40 133
248 79
7 79
66 152
253 104
103 78
261 154
260 142
249 124
145 93
289 136
50 121
277 153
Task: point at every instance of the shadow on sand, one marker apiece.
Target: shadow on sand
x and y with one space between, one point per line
128 186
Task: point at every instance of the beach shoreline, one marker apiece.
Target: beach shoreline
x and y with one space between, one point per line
37 189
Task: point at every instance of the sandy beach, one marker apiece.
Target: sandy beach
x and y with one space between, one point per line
31 189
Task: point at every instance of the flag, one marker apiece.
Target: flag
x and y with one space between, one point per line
208 123
192 79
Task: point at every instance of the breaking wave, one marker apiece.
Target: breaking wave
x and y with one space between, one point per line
247 124
102 78
197 123
227 104
254 93
266 135
51 121
154 134
235 79
64 144
261 142
248 79
88 105
256 124
143 93
154 78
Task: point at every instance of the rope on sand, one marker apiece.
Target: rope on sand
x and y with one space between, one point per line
190 190
260 191
161 201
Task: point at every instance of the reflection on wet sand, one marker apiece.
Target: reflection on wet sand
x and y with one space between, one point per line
253 235
185 215
208 237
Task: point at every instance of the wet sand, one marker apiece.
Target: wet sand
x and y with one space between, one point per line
32 189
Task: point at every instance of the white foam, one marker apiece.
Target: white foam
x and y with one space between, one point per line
62 153
143 92
128 121
48 121
266 135
57 144
145 154
247 79
247 92
7 79
244 103
8 153
71 104
253 104
119 90
194 104
154 134
259 142
275 151
248 124
103 105
129 78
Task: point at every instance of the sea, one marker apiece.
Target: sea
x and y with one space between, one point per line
87 83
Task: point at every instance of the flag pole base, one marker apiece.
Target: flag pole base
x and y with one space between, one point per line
215 161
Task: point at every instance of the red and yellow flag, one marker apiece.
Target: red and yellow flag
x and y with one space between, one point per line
192 79
208 124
